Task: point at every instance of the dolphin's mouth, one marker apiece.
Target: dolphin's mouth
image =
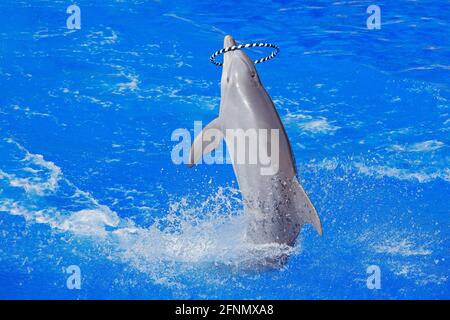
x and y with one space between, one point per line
250 66
239 61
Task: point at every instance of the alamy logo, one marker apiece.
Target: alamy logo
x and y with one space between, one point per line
74 20
250 146
74 280
374 20
374 278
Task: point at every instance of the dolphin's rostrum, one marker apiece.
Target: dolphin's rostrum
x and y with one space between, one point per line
276 203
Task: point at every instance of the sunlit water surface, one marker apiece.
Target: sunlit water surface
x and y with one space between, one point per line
86 176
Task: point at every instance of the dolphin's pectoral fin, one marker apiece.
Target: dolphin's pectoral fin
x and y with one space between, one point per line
305 209
208 140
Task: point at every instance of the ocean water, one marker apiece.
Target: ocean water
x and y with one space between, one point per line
86 176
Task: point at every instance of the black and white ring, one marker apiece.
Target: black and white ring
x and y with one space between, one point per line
247 45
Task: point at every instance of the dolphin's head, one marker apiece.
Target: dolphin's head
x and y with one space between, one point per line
238 69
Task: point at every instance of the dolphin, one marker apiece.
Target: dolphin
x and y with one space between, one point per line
276 204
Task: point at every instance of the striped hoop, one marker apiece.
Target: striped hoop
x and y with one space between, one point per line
247 45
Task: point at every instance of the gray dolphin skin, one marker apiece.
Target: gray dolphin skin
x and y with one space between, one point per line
276 204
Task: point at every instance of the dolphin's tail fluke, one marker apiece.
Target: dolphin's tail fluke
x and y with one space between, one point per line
305 208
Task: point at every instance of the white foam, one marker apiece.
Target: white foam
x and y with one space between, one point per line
370 167
106 37
402 174
132 84
425 146
40 181
319 126
403 247
91 222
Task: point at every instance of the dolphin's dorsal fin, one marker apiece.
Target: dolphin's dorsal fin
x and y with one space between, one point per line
305 209
208 140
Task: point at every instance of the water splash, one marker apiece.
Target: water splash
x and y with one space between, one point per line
193 232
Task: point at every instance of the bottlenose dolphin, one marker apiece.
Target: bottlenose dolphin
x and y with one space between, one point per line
276 203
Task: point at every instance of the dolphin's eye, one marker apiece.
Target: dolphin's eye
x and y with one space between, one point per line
228 79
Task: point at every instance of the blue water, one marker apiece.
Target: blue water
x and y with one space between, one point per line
86 176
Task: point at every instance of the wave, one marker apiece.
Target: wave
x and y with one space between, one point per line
373 168
39 181
403 174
